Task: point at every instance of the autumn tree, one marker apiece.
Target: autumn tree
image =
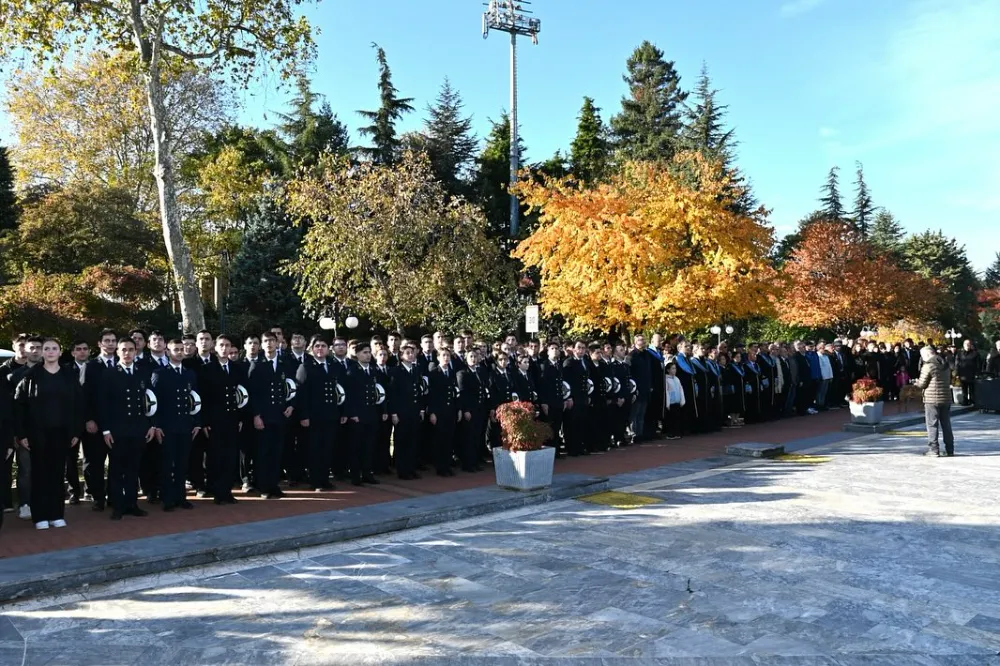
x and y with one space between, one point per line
392 237
645 249
836 280
649 124
236 36
382 130
589 153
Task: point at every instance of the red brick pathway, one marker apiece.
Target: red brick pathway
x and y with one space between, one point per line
86 528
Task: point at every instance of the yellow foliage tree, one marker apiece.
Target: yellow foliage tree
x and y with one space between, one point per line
656 246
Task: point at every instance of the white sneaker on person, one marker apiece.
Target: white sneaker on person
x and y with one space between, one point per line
25 512
42 525
811 411
59 523
8 509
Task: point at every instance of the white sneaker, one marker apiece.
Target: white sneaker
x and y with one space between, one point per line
25 512
59 523
811 411
8 509
43 525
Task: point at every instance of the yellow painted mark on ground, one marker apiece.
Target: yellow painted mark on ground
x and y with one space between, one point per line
799 458
618 500
905 433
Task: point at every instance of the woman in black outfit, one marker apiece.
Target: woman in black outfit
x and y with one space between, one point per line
48 417
501 390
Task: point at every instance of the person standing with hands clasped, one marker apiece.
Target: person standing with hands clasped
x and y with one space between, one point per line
48 419
935 380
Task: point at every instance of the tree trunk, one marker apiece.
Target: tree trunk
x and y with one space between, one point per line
192 310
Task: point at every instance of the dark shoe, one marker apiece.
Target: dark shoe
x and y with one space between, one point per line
186 505
253 492
137 512
356 482
950 452
98 506
370 479
219 502
153 500
272 496
167 508
279 492
116 514
231 500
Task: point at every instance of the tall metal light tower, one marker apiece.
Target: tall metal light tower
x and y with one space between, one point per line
510 16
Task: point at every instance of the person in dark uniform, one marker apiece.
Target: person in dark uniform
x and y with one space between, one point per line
654 412
295 451
622 409
271 411
126 428
686 376
319 412
222 420
731 379
198 468
474 402
550 394
383 442
702 392
176 426
80 352
406 409
364 413
95 450
599 432
48 415
575 373
443 410
752 387
642 372
501 392
714 387
248 436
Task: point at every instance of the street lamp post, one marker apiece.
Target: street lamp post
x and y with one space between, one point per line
953 336
717 331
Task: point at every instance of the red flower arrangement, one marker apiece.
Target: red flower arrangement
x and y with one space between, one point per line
865 390
520 430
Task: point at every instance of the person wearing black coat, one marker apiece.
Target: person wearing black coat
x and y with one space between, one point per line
365 410
266 382
641 369
474 403
686 376
576 374
176 425
550 394
443 411
126 428
406 402
968 364
622 408
48 418
501 392
318 412
223 419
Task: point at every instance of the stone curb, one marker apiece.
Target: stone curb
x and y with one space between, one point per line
900 422
60 571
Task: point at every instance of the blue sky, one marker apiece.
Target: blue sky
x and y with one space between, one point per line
910 88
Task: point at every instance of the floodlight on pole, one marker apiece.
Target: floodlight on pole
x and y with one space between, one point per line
510 16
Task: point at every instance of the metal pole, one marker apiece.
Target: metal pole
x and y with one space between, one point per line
513 132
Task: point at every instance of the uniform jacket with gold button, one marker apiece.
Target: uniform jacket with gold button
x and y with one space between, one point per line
317 394
268 390
173 394
122 410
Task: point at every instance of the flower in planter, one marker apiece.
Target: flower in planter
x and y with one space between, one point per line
520 430
865 390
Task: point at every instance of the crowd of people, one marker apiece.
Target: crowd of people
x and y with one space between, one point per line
208 414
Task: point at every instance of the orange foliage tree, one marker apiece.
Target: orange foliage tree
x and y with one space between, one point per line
655 246
837 280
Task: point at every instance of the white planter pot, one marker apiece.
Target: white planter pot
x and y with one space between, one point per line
867 413
956 395
524 470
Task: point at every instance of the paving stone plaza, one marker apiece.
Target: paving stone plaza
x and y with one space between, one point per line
861 552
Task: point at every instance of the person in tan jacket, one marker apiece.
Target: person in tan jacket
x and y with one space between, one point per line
935 380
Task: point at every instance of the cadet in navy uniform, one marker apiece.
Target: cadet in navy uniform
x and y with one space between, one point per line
474 401
175 425
406 409
442 411
550 393
271 412
621 371
318 412
222 419
126 428
575 373
363 415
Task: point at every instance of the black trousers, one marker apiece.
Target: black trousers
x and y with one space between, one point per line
73 470
294 454
575 426
383 454
6 466
95 456
674 420
175 450
223 456
470 438
362 448
149 470
968 392
320 438
270 442
48 466
248 451
123 473
555 420
341 451
444 437
406 443
654 412
599 433
197 469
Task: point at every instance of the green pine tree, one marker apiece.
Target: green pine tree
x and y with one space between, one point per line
493 176
886 233
8 200
937 257
260 295
649 125
449 140
385 144
589 152
991 278
830 203
864 209
308 132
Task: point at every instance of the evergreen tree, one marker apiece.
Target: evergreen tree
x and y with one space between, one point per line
864 209
385 144
991 278
649 124
493 176
260 294
8 201
555 167
588 155
935 256
830 204
307 132
704 129
449 140
886 233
